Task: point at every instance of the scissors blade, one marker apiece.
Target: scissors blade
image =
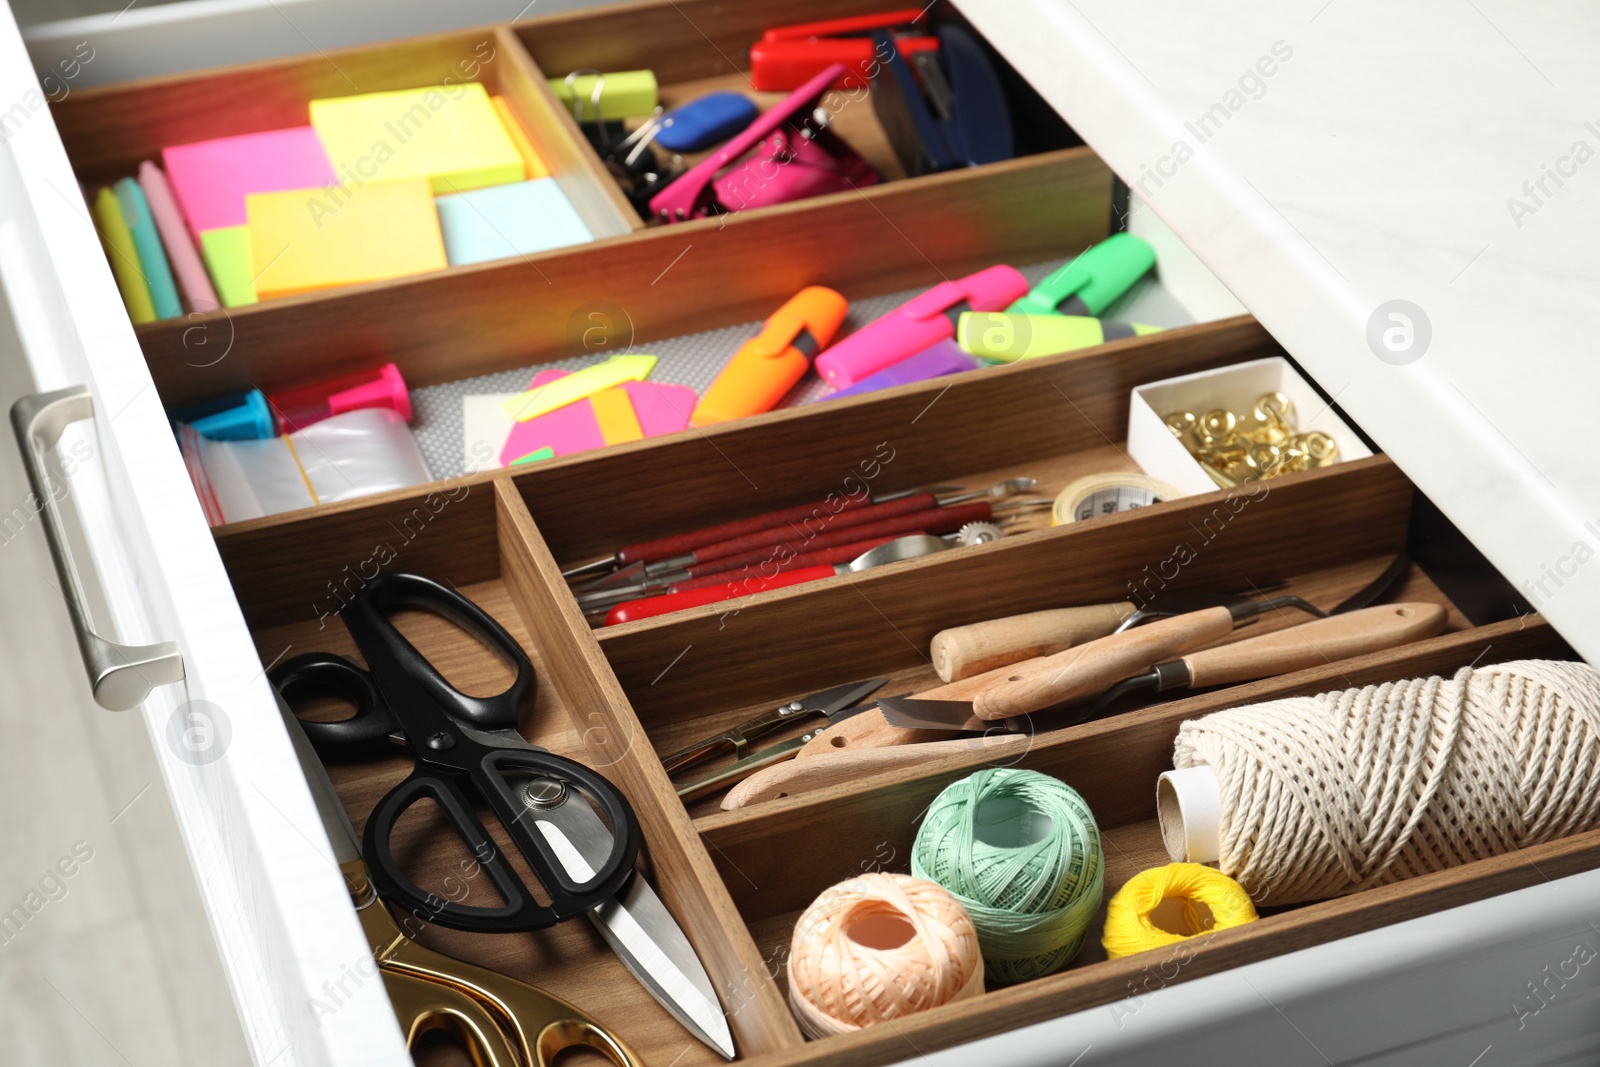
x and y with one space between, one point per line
341 835
833 702
638 926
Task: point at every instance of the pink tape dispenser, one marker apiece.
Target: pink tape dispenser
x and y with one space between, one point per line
792 154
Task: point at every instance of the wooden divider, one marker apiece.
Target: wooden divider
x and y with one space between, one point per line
685 875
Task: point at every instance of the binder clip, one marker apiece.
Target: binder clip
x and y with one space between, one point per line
788 57
942 109
792 155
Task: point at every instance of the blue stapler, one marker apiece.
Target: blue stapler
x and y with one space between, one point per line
943 108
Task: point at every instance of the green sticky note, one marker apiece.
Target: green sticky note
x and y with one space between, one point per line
533 457
226 251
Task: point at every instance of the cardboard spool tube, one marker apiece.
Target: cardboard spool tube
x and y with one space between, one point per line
1189 808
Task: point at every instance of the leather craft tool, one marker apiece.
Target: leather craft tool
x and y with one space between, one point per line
922 321
902 548
1089 284
500 1021
767 366
679 550
466 748
1085 671
769 550
787 57
835 705
872 744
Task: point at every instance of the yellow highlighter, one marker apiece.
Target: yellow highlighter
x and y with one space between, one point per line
118 240
574 387
768 365
1001 337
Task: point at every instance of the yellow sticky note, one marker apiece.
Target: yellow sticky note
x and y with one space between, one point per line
448 134
532 162
124 257
613 410
226 251
307 239
574 387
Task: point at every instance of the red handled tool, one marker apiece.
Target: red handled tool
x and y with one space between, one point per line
678 550
890 552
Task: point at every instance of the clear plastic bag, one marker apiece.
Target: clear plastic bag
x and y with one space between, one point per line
346 456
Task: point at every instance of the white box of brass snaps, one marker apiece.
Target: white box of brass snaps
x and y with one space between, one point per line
1223 427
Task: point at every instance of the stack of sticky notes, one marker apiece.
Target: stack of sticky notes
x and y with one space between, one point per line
375 186
563 412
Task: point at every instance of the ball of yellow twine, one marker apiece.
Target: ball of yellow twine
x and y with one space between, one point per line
1166 905
879 947
1021 852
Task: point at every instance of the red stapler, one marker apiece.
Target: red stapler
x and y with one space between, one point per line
787 57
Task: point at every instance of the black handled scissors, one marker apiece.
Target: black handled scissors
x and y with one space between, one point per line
464 748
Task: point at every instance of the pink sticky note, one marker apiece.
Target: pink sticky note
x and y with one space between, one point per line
210 179
661 408
566 429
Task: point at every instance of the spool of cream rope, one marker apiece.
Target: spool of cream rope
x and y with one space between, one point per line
1324 795
1107 494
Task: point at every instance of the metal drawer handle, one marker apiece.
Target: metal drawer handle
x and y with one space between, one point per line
120 675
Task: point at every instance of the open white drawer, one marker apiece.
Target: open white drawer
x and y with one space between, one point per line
1435 989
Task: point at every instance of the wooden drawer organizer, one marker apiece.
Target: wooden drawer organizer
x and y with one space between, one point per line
617 697
486 317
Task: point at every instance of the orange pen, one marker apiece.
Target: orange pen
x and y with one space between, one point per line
769 364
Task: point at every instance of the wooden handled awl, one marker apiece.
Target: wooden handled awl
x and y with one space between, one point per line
963 651
1088 670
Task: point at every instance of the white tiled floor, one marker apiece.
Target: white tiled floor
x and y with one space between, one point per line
115 963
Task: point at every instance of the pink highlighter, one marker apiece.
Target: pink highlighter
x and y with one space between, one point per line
919 323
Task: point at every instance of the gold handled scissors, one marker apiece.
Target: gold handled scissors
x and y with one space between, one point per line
501 1022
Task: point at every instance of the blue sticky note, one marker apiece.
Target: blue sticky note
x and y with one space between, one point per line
500 221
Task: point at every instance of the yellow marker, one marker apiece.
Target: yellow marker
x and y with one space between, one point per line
448 134
118 242
532 162
307 239
613 410
574 387
226 251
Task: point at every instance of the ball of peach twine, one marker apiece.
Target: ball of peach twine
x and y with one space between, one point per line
879 947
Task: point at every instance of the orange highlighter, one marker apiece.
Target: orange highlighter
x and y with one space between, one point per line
768 365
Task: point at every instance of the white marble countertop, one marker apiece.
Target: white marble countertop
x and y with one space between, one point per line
1327 157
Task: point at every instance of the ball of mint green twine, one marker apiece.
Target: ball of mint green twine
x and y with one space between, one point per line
1021 852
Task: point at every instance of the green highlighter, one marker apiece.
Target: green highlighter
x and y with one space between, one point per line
1001 337
1089 284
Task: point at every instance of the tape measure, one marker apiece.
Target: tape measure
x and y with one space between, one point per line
1107 494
